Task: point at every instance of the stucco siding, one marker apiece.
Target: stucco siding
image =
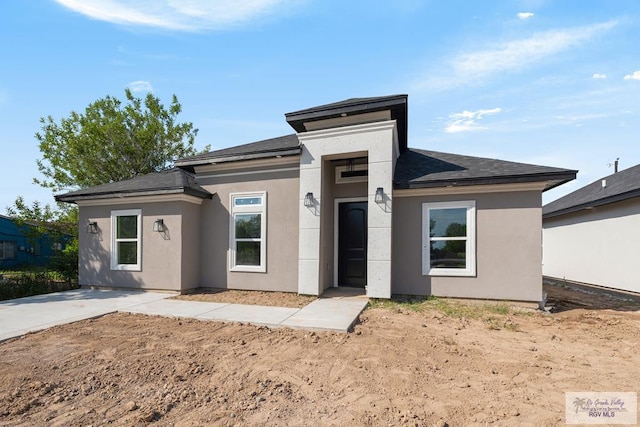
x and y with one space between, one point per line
161 253
190 241
282 187
508 248
597 246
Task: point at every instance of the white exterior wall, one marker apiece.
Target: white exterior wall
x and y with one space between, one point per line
597 246
378 141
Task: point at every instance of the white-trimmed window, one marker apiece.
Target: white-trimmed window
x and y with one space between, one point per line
126 239
248 232
449 238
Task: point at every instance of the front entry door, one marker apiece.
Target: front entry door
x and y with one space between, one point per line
352 244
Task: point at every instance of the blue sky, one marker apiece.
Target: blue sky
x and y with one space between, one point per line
555 83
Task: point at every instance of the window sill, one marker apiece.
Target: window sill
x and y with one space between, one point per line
451 273
126 267
245 269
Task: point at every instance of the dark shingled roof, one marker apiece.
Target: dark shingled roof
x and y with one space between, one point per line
619 186
427 169
281 146
174 181
397 104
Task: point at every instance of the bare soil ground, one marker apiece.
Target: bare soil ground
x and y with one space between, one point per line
274 299
411 363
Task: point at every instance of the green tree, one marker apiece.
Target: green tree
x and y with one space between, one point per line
112 141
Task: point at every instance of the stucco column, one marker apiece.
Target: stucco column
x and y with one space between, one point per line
379 141
309 225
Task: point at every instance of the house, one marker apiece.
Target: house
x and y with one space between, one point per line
591 235
20 247
342 202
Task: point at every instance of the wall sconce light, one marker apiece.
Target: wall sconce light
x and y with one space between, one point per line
92 227
308 200
379 198
158 225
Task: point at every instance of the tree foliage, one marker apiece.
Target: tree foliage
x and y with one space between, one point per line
37 220
112 141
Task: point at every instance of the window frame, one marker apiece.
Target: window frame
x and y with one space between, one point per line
115 240
4 251
470 247
248 209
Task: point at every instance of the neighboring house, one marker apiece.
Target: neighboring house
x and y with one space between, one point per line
343 202
592 234
18 249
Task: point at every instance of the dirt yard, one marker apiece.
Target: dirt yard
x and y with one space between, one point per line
413 363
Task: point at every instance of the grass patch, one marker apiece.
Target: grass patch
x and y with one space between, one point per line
493 314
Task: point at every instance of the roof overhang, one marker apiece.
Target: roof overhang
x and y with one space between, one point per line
593 204
396 104
77 198
240 157
547 181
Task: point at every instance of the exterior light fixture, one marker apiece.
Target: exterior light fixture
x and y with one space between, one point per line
308 200
379 198
92 227
158 225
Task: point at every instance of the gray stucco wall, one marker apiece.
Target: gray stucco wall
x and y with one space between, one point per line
190 242
597 246
508 248
282 231
161 253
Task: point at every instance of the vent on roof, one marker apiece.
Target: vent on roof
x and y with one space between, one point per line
604 183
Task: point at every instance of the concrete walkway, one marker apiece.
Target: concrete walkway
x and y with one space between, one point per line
336 311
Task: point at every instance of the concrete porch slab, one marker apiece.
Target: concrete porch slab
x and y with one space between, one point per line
255 314
174 308
328 314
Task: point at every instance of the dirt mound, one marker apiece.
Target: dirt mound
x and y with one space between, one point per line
404 364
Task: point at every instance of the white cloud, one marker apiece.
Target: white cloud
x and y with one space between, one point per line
525 15
468 120
599 76
140 86
182 15
468 68
633 76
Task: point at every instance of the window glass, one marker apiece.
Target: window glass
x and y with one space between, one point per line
127 252
248 253
7 250
243 201
248 226
127 227
448 222
449 254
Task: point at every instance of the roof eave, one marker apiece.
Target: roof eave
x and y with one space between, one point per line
240 157
593 204
553 179
71 198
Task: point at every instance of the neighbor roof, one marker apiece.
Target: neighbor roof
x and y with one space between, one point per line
397 104
281 146
619 186
173 181
428 169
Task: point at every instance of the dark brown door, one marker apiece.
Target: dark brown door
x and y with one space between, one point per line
352 244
